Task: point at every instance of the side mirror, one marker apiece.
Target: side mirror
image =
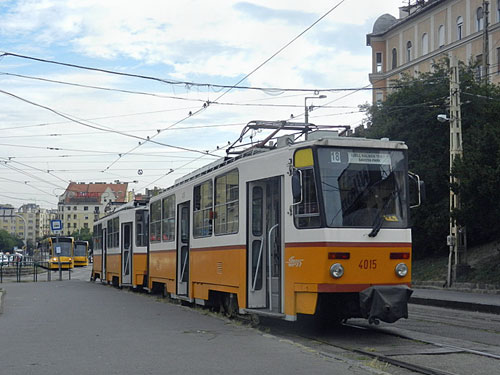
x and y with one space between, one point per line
297 185
417 190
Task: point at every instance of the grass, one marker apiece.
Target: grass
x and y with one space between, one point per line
484 262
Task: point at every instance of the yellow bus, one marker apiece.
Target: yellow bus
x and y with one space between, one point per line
57 249
81 253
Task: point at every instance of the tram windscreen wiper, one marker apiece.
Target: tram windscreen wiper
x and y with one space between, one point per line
380 216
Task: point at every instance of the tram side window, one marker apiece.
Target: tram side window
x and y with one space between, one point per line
141 232
113 232
203 209
97 237
306 212
226 203
168 219
155 225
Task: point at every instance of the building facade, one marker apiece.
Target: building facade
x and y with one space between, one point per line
428 31
28 222
83 203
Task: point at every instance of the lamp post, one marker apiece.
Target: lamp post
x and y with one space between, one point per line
306 108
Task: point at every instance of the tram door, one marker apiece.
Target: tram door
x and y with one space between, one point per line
104 254
183 249
264 244
126 248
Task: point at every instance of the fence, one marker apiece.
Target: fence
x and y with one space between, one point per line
28 269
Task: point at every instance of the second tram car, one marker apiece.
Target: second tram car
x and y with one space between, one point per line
81 253
313 227
120 246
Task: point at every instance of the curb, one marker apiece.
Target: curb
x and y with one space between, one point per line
458 305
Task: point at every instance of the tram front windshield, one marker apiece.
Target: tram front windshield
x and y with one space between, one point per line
363 187
80 250
61 248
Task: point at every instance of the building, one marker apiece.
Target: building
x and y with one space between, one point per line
81 203
427 31
29 222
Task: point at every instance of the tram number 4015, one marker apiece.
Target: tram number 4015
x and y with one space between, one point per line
367 264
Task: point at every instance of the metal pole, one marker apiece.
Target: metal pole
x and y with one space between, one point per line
455 238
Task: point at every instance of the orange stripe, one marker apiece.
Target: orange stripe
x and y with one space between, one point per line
218 248
348 244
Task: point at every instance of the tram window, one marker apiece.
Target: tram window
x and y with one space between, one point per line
307 211
203 209
168 218
257 210
155 225
226 203
113 232
141 232
97 237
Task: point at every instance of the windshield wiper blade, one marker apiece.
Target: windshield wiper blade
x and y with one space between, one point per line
377 223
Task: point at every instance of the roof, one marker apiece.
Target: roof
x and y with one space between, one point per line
91 193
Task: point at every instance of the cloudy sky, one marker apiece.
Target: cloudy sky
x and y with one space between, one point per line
155 66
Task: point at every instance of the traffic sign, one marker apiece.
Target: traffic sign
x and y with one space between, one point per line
56 225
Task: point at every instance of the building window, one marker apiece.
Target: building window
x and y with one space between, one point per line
74 216
86 217
408 51
74 208
394 58
69 208
498 59
202 209
85 225
168 218
479 67
460 28
85 208
479 19
379 97
69 217
74 225
378 57
441 36
226 203
425 44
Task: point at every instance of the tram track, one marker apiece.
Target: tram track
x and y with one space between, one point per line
414 346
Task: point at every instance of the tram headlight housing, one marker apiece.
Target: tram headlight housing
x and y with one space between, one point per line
336 270
401 270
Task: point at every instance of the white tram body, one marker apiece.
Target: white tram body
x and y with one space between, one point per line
319 226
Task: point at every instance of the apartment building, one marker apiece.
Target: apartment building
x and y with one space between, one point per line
28 222
82 202
427 31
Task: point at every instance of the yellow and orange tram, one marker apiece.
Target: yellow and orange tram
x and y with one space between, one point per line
318 226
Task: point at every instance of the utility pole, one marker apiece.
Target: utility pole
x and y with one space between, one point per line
456 240
486 49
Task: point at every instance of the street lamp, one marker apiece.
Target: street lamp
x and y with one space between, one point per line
307 109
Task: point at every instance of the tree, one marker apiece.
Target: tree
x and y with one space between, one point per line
8 241
82 234
409 114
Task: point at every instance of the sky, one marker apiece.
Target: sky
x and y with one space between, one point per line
141 92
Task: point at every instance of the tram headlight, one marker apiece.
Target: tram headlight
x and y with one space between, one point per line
336 270
401 270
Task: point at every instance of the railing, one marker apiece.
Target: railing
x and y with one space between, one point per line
28 269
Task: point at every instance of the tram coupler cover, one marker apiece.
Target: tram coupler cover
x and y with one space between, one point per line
385 302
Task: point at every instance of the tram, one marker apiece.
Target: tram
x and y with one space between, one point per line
288 227
81 253
57 252
120 243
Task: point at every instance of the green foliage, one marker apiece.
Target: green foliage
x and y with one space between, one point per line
410 114
8 241
82 234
